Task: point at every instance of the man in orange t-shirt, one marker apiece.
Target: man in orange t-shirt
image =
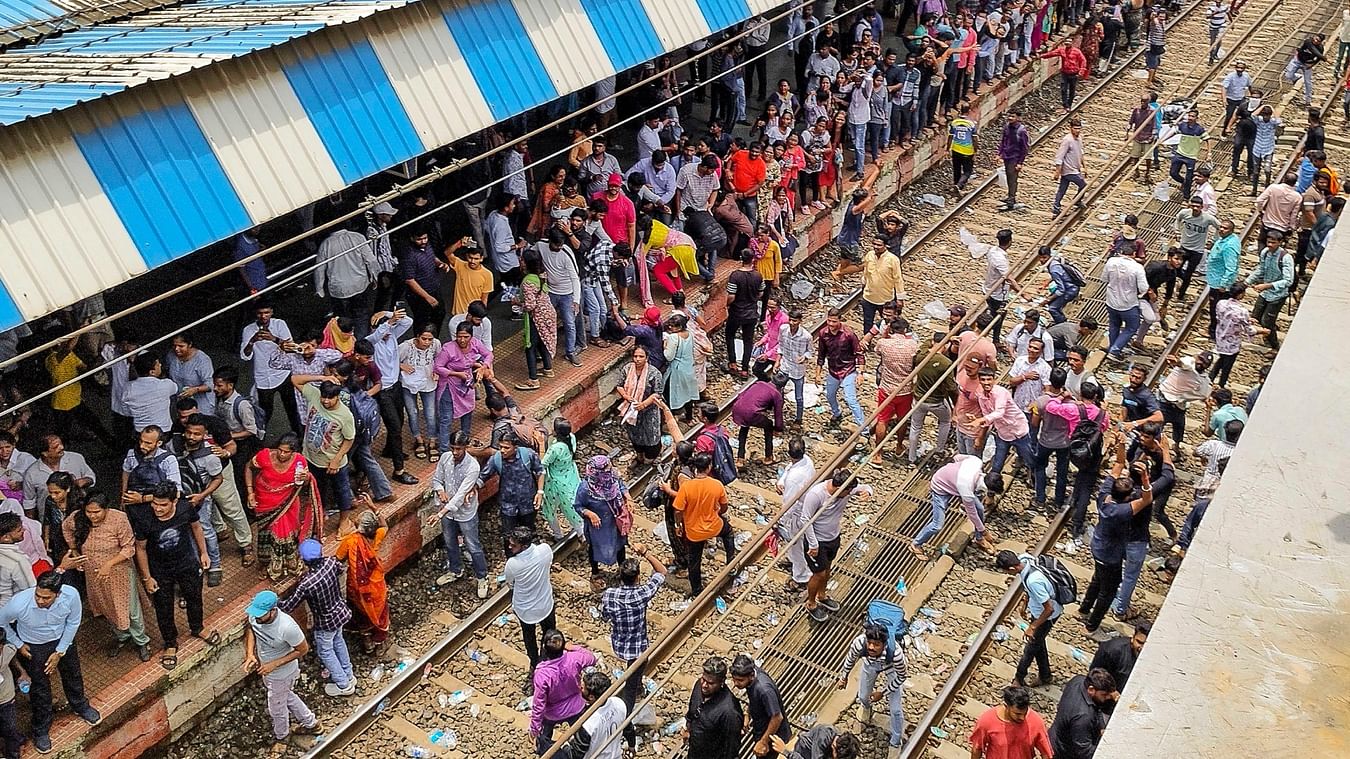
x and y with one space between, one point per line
699 506
747 171
1011 731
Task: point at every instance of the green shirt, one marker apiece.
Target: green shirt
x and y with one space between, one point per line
326 430
930 374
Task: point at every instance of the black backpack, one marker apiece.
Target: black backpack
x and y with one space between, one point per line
146 474
724 460
1071 272
1065 584
194 479
366 413
1085 444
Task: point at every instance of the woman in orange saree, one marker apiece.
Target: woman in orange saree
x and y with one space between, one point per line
367 592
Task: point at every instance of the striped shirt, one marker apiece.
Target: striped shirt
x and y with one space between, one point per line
895 669
1218 17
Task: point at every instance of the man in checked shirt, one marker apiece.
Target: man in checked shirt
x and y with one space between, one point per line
321 587
625 607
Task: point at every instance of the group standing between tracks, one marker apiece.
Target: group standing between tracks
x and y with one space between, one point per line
201 463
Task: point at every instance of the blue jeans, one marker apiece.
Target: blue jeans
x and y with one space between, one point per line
966 444
738 89
850 385
594 307
1192 522
332 650
904 121
452 531
1026 450
1291 73
878 135
1121 328
799 392
867 683
1043 455
1135 553
445 419
859 142
1064 182
209 529
427 419
1056 307
364 459
566 321
939 503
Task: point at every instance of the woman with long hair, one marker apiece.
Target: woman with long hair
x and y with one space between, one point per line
682 390
641 394
457 366
102 547
549 189
63 496
560 479
282 493
417 377
602 498
541 321
367 591
831 174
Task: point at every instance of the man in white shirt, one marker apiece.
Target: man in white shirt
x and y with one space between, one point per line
996 281
456 487
1078 375
346 275
149 397
260 341
649 134
1030 328
598 737
1126 286
791 484
388 328
52 457
273 646
527 574
823 508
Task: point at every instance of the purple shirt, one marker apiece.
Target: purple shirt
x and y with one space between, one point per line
839 351
557 688
1014 144
452 359
758 399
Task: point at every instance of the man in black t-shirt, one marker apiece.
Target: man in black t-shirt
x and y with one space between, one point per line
745 287
170 556
767 719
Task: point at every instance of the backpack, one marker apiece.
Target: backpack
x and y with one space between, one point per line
1072 273
529 432
1085 444
194 480
892 617
366 411
724 460
146 474
259 413
1065 584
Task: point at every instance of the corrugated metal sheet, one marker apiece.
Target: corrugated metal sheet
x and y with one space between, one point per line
677 22
764 6
28 20
260 132
721 14
97 193
54 215
428 71
567 45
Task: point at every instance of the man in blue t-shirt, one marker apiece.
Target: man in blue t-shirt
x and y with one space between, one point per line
1041 608
962 139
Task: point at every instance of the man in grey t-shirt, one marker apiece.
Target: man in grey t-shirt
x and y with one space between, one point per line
273 645
1193 225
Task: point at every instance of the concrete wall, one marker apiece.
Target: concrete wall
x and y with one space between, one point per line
140 714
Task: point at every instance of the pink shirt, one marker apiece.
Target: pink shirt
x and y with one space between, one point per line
972 345
620 214
999 410
1069 412
967 401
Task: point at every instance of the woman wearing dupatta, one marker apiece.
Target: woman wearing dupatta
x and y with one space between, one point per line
339 335
541 217
540 328
560 479
367 592
641 414
602 499
457 366
282 493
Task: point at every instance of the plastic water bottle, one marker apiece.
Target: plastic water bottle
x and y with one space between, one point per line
673 727
418 752
377 674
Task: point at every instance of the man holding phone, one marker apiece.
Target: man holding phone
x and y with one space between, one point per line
260 342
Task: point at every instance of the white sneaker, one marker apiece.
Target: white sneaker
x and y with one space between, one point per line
449 577
333 690
483 588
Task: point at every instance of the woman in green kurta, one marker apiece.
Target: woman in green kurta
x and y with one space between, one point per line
561 479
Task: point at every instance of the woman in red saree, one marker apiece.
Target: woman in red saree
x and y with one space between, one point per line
367 592
282 493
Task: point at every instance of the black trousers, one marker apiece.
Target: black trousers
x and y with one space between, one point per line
40 694
1035 649
695 551
286 393
746 328
1176 416
530 633
1068 89
1101 591
963 167
1223 366
1188 268
756 70
743 437
632 688
390 400
9 730
1214 297
997 309
188 583
1084 484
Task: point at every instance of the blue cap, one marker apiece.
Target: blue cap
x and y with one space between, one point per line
310 549
262 603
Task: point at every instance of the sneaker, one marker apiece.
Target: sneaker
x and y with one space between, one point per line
333 690
88 714
448 578
143 652
572 359
483 588
42 743
818 614
214 577
829 604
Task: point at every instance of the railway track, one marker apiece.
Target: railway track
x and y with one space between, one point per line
477 696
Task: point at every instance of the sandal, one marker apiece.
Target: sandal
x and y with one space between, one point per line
211 640
434 454
598 583
169 661
250 556
419 450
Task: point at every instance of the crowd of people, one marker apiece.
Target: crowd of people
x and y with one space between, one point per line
279 450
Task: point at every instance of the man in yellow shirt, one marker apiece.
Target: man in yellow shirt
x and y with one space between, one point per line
473 281
63 366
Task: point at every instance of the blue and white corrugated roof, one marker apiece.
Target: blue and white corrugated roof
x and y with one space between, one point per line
131 144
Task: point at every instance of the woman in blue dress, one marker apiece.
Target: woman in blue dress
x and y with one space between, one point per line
602 500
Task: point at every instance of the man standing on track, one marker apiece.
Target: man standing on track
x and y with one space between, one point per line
767 719
1041 608
715 718
1069 166
1116 506
1013 147
823 508
962 140
625 607
1012 729
880 656
1193 225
